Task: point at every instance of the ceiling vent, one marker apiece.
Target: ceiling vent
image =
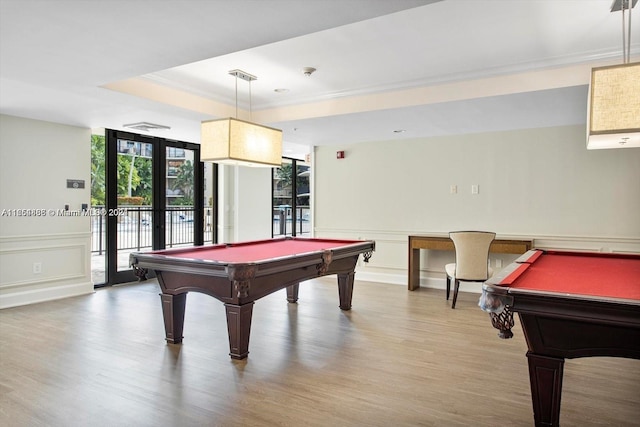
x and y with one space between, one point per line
146 126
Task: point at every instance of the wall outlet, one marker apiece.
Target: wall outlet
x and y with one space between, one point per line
498 263
37 267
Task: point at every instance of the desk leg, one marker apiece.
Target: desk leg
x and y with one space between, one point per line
239 327
545 374
292 293
414 268
345 289
173 313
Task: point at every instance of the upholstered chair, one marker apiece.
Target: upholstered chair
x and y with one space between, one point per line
472 259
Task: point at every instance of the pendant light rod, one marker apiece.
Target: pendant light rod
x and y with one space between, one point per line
246 77
625 7
236 97
628 33
624 36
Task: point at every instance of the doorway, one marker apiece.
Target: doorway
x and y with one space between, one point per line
153 200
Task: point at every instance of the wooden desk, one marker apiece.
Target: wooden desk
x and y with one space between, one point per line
442 242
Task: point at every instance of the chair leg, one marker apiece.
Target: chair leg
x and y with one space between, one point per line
455 293
448 286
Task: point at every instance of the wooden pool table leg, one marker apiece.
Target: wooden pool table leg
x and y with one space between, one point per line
173 313
545 374
239 327
345 289
292 293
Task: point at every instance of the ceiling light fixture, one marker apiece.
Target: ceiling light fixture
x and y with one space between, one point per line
232 141
614 95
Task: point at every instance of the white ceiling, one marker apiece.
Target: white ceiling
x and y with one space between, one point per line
426 67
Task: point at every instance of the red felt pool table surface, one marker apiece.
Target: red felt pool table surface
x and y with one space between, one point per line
256 251
588 274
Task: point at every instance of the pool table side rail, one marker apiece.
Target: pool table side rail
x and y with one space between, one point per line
572 307
507 293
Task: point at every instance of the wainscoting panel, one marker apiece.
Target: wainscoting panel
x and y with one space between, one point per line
39 268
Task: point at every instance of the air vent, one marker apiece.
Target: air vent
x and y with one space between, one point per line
146 126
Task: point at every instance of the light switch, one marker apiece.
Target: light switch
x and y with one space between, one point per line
453 189
475 189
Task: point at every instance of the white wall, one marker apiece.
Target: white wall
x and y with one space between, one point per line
244 203
36 159
539 183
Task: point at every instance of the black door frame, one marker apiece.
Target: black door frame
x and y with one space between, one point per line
159 176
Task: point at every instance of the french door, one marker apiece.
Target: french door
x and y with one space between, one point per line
154 198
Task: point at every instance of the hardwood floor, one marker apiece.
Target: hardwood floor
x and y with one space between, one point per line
397 358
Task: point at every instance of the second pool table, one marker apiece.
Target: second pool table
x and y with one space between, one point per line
570 304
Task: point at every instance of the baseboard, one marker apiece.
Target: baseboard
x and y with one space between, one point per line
50 293
431 282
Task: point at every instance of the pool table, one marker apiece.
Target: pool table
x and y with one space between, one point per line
570 304
240 273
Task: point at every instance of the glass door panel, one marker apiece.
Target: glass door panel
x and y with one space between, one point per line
210 198
134 207
291 195
98 222
283 198
303 195
180 186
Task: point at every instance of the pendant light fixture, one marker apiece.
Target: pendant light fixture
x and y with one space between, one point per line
614 95
232 141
